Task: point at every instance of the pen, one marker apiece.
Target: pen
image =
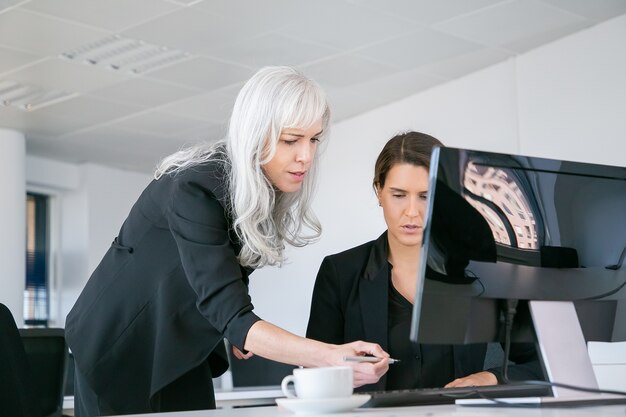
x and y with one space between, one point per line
368 359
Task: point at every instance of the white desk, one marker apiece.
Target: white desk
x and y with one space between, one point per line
425 411
236 397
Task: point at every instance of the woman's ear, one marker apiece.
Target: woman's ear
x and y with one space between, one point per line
377 191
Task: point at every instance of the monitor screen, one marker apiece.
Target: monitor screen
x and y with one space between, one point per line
507 227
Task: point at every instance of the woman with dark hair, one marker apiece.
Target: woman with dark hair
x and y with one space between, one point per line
368 291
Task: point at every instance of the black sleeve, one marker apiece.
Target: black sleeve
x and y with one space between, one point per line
326 320
527 365
200 228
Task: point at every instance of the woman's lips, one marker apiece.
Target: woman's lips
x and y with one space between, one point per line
411 228
297 175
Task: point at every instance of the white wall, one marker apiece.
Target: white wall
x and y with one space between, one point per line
12 222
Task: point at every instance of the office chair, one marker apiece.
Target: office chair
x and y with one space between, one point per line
17 396
47 355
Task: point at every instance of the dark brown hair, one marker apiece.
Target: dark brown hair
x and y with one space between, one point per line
406 148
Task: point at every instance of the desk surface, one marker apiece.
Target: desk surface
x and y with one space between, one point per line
426 411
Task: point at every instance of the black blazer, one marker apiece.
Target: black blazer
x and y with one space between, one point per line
350 302
165 294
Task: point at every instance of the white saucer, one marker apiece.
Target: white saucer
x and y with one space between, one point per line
323 405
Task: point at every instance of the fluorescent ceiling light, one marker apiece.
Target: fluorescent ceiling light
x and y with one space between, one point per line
30 97
126 55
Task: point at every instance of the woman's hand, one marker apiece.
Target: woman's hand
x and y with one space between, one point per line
240 355
364 372
474 380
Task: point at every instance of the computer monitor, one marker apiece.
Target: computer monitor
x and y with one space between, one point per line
547 232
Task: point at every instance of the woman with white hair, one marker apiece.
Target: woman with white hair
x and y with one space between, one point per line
147 330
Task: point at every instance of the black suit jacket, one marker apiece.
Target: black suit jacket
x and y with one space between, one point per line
165 294
350 302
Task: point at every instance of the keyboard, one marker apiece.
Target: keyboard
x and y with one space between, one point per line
432 396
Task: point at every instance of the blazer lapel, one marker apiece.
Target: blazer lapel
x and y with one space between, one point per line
373 290
373 298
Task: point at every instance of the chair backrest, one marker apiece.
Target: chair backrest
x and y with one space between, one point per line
17 397
47 355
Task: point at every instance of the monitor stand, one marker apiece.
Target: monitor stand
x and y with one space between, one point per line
565 357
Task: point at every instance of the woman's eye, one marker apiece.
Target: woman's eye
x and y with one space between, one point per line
315 140
290 141
398 195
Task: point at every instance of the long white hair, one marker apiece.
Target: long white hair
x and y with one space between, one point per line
274 99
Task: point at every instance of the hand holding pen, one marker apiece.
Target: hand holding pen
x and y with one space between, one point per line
372 359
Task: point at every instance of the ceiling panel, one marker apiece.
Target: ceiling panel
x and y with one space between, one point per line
40 34
344 70
88 109
461 65
202 73
192 30
596 9
39 125
114 15
426 11
508 22
262 16
159 123
273 49
215 106
11 59
59 74
384 90
417 49
342 25
143 92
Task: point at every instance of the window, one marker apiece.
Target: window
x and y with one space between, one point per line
36 294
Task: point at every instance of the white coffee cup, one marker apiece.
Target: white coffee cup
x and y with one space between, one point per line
313 383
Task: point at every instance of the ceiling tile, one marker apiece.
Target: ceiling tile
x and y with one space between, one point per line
215 106
273 49
346 70
461 65
344 26
114 15
5 4
417 49
426 11
102 150
596 9
142 92
396 86
63 75
511 21
88 109
344 103
203 73
39 34
159 123
11 59
531 42
192 30
41 125
275 13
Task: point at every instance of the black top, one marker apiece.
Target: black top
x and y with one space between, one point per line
165 294
421 366
351 302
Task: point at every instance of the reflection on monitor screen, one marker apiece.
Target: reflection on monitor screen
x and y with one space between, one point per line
547 232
